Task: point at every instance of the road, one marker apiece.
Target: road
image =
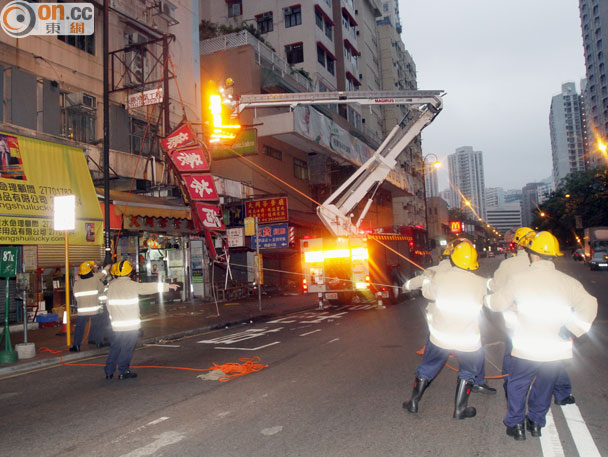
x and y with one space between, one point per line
334 385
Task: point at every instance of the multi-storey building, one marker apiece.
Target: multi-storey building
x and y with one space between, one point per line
504 217
495 196
52 120
594 25
566 126
431 181
467 182
529 203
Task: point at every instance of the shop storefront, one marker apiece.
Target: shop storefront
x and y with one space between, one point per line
153 234
32 172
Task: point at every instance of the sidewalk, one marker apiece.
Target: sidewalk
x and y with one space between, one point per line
168 321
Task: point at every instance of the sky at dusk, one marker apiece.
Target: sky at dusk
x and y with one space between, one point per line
500 63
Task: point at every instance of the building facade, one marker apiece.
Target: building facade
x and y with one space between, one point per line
467 181
594 26
566 127
495 196
504 217
529 203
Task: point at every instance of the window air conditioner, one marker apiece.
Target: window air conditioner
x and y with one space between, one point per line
80 100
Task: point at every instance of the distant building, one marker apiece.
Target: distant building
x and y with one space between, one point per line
529 203
446 195
467 180
504 217
431 181
594 25
494 196
567 133
438 218
512 195
544 190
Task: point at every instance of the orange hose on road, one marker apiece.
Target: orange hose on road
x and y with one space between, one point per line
421 352
231 370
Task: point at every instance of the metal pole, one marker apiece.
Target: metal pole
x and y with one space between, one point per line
67 289
106 138
259 270
166 107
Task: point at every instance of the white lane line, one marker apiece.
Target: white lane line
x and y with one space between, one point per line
248 349
549 439
163 345
580 433
314 331
158 421
162 440
335 339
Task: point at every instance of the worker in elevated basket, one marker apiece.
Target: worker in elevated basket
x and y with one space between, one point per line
87 290
123 306
548 304
456 297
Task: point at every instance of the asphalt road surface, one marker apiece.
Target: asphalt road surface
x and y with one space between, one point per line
334 386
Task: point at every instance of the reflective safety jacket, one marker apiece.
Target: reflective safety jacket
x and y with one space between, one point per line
416 281
123 301
86 292
508 267
545 300
453 316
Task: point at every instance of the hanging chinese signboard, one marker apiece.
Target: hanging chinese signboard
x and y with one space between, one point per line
209 217
201 187
268 210
178 138
189 159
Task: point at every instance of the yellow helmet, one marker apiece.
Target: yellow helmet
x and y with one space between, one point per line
229 82
122 268
464 255
451 245
86 267
521 236
544 243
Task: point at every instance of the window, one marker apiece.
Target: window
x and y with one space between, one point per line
330 65
272 152
77 120
235 8
83 42
294 53
320 55
329 30
293 16
265 22
318 19
136 136
300 169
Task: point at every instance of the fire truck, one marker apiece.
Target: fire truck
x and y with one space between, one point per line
352 263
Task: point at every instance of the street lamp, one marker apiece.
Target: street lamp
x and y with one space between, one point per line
64 218
434 164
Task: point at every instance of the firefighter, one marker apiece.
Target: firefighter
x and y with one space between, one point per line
521 262
456 297
87 290
548 303
123 306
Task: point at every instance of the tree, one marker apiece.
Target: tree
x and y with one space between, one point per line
581 193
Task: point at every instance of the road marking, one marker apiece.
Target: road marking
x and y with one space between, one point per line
314 331
248 349
272 430
158 421
241 336
549 439
162 440
163 345
580 433
335 339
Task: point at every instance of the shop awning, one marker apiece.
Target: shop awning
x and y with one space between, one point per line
131 204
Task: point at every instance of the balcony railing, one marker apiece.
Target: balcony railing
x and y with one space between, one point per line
265 56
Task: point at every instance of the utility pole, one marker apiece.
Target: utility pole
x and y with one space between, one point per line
106 137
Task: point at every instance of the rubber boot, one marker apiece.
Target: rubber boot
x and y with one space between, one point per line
420 385
463 390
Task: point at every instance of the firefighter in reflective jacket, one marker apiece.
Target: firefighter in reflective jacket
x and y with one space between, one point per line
548 303
86 292
457 297
123 306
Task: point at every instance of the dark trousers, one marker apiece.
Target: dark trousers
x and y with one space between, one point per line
563 386
121 351
522 373
95 334
481 376
435 357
